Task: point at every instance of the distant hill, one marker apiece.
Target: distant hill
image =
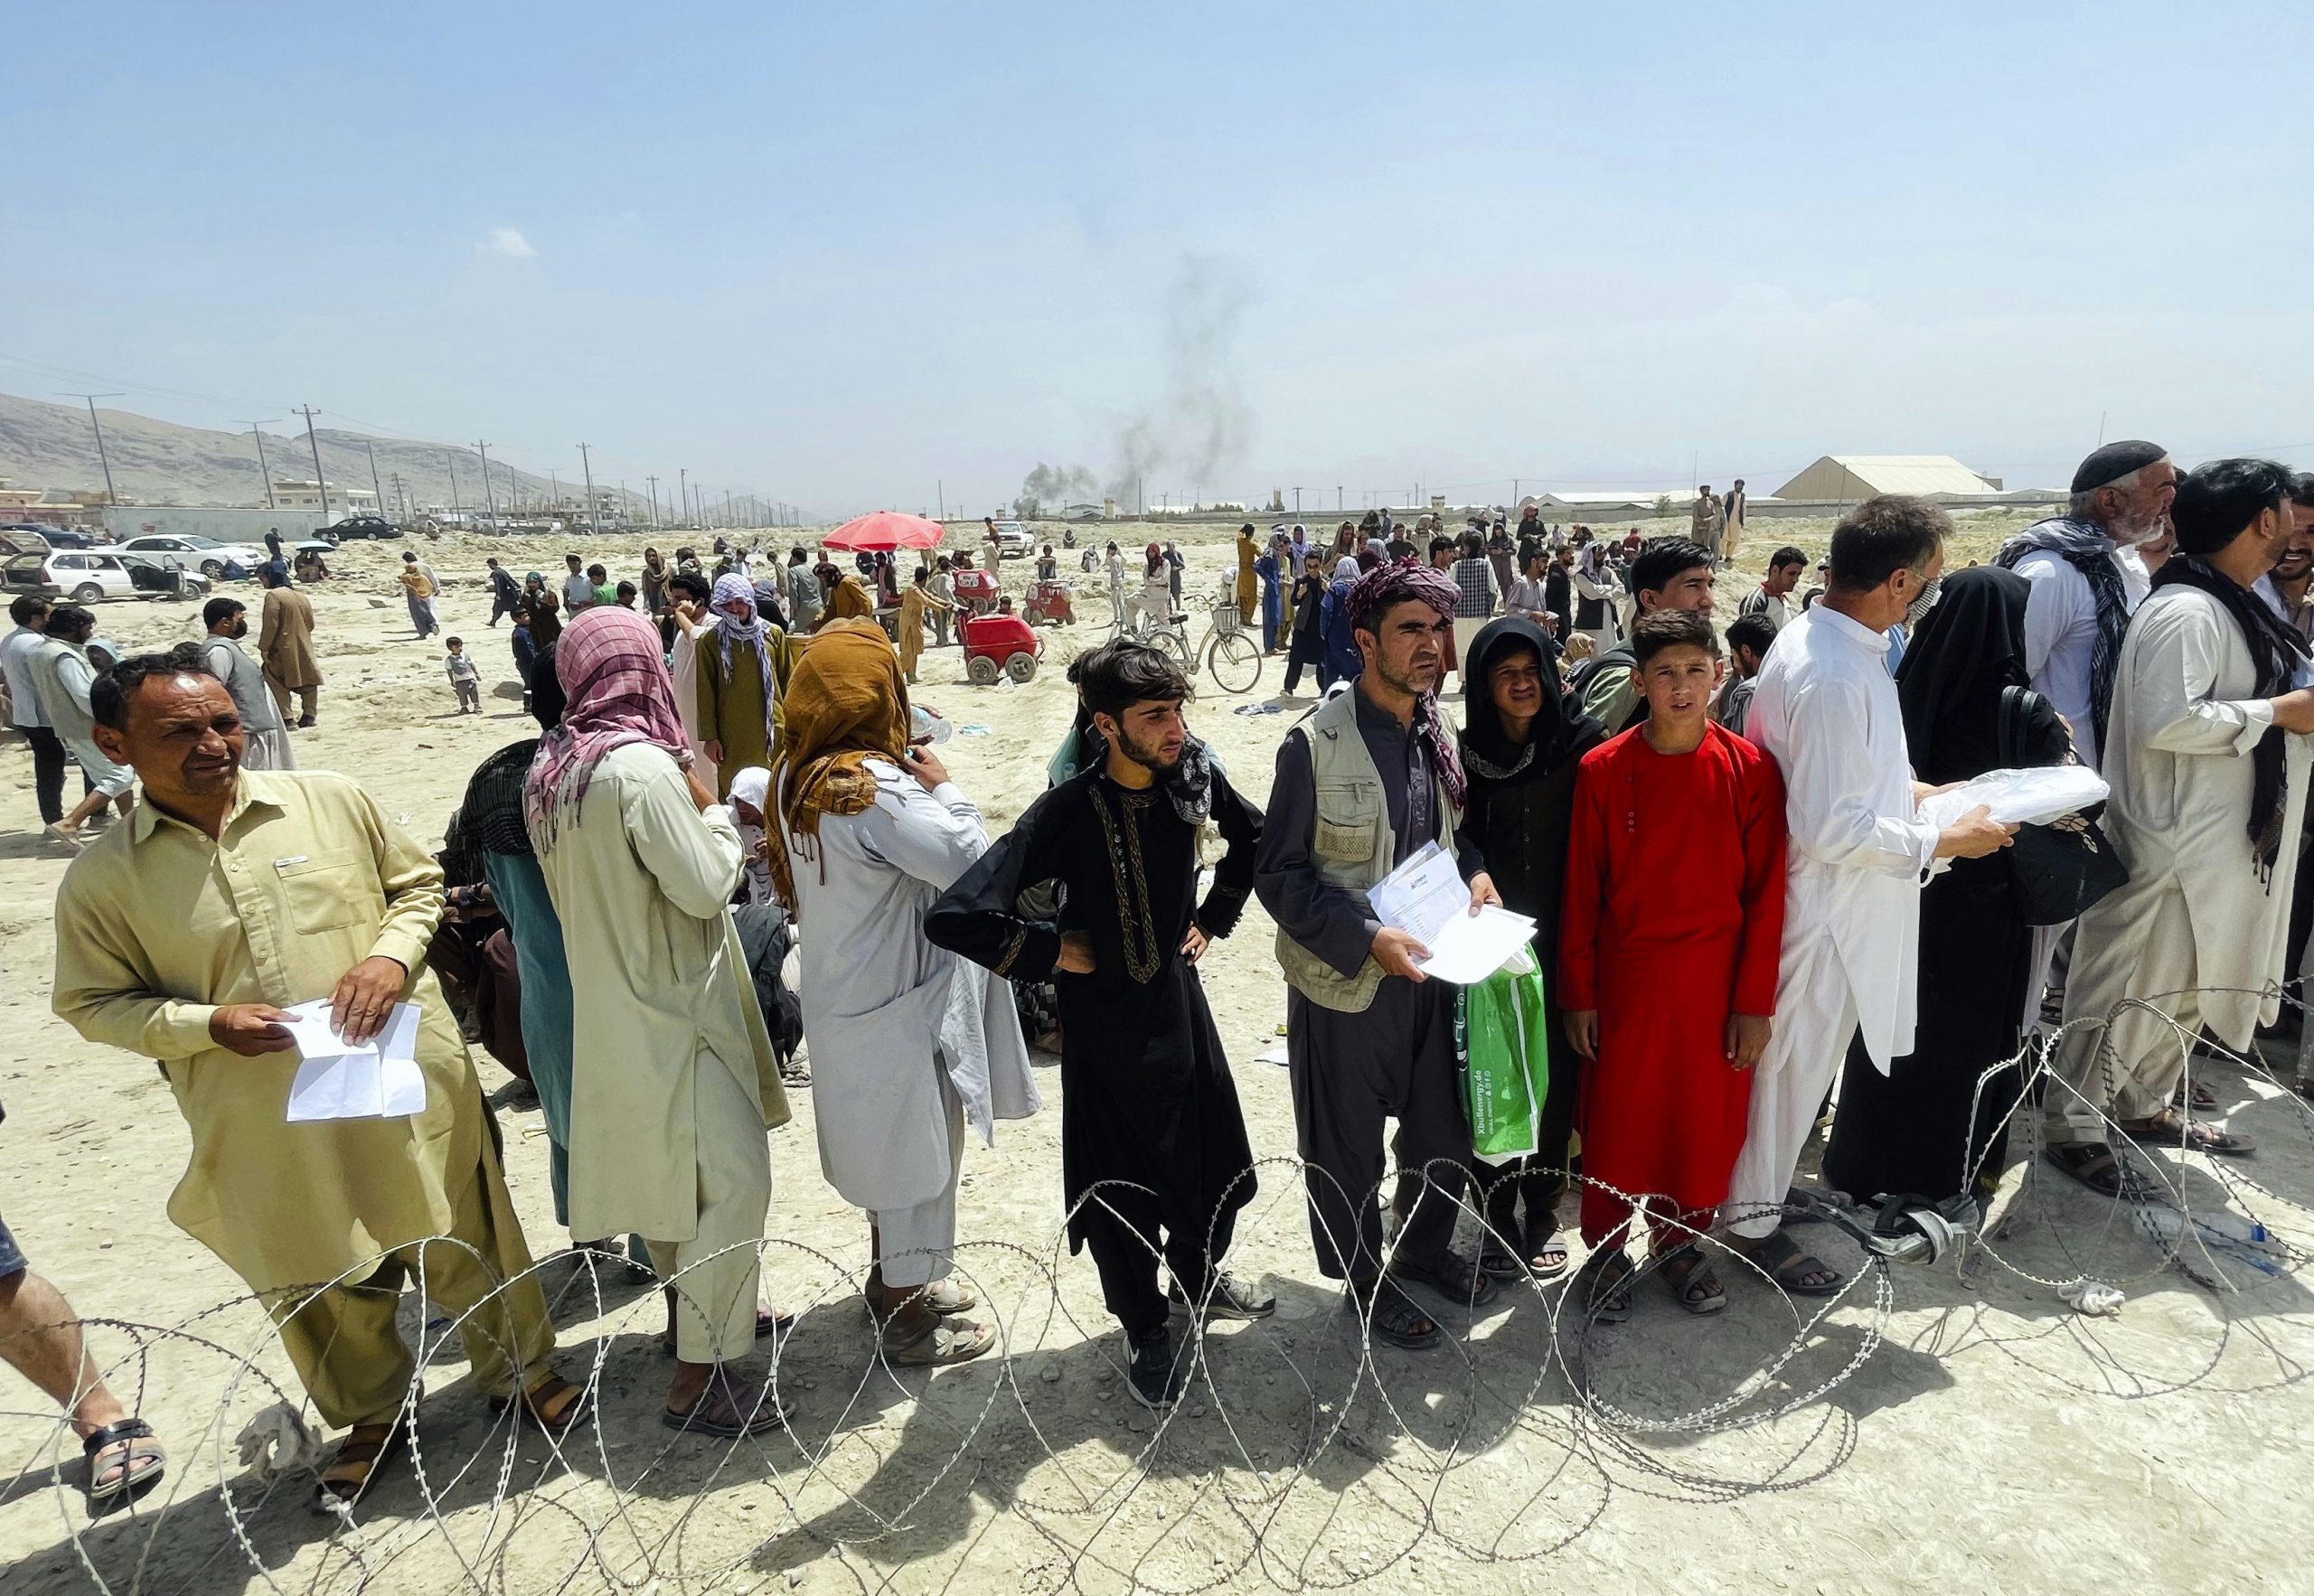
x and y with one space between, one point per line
48 445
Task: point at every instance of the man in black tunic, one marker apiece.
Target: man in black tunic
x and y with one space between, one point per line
1151 1136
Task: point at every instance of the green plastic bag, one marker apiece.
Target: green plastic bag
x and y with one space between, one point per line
1503 1043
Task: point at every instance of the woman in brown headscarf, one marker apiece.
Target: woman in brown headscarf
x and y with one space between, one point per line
848 601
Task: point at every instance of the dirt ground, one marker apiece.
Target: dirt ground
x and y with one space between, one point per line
1936 1430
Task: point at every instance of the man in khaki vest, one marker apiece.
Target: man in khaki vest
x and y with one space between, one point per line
1370 777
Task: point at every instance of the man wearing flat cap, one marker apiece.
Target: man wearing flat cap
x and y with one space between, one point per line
2087 581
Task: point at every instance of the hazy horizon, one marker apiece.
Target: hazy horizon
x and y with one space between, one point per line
903 255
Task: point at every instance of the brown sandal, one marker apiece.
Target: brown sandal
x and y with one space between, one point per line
339 1494
554 1404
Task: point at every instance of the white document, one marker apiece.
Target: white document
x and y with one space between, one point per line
2028 797
1471 947
378 1079
1421 895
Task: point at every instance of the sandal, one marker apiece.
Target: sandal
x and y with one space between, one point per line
943 1339
1546 1259
2194 1096
338 1493
1788 1266
1499 1263
2172 1128
1452 1276
730 1412
554 1404
138 1466
1606 1280
2100 1169
1392 1316
1694 1286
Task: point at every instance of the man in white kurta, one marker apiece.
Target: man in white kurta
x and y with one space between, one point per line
1826 709
909 1042
2198 935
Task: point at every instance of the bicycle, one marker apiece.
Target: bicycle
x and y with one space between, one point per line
1232 657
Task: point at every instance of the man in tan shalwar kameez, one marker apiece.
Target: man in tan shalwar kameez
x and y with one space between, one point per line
285 647
180 935
673 1081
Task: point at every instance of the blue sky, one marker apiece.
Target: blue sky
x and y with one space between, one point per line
843 256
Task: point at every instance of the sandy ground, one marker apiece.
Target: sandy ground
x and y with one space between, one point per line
1934 1431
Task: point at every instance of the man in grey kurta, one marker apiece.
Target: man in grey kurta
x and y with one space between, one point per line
268 748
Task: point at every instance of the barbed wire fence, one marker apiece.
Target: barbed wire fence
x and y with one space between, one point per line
1305 1454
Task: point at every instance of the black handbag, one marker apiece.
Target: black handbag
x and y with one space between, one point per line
2064 867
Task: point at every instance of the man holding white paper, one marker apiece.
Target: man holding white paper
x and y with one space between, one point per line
1859 853
184 936
1371 777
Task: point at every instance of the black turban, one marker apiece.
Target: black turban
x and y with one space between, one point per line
2115 461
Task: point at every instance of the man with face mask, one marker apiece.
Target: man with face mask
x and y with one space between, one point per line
268 748
1368 780
1827 710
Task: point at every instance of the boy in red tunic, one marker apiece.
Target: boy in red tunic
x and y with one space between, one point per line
1672 922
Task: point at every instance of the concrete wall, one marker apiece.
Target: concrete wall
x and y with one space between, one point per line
230 526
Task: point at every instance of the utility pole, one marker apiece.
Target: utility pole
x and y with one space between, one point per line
489 499
654 501
261 470
729 518
102 459
321 484
377 488
457 510
401 500
1337 497
940 492
624 516
554 489
594 516
1297 502
682 489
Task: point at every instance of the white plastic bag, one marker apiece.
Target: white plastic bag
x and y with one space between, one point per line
2030 797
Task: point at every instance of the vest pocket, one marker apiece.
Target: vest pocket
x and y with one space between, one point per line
1346 813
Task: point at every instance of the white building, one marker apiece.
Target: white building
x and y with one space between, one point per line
307 495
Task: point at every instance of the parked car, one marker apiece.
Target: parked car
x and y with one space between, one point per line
361 526
1012 540
52 536
156 580
84 577
187 552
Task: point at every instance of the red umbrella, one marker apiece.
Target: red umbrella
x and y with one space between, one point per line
886 529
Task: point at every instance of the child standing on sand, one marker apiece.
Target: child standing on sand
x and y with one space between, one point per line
465 677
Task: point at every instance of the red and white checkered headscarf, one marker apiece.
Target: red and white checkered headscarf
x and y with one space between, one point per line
616 681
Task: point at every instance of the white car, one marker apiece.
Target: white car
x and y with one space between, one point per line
1012 540
79 576
186 552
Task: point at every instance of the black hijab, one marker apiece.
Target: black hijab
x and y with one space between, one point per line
1560 732
1967 648
2275 652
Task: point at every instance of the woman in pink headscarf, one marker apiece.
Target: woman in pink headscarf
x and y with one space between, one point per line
672 1080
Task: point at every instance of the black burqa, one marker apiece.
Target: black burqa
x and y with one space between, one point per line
1147 1101
1936 1124
1520 803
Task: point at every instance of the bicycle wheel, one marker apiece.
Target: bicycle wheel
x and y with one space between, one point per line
1176 643
1234 662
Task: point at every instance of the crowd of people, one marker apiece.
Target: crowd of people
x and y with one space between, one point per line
1739 910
